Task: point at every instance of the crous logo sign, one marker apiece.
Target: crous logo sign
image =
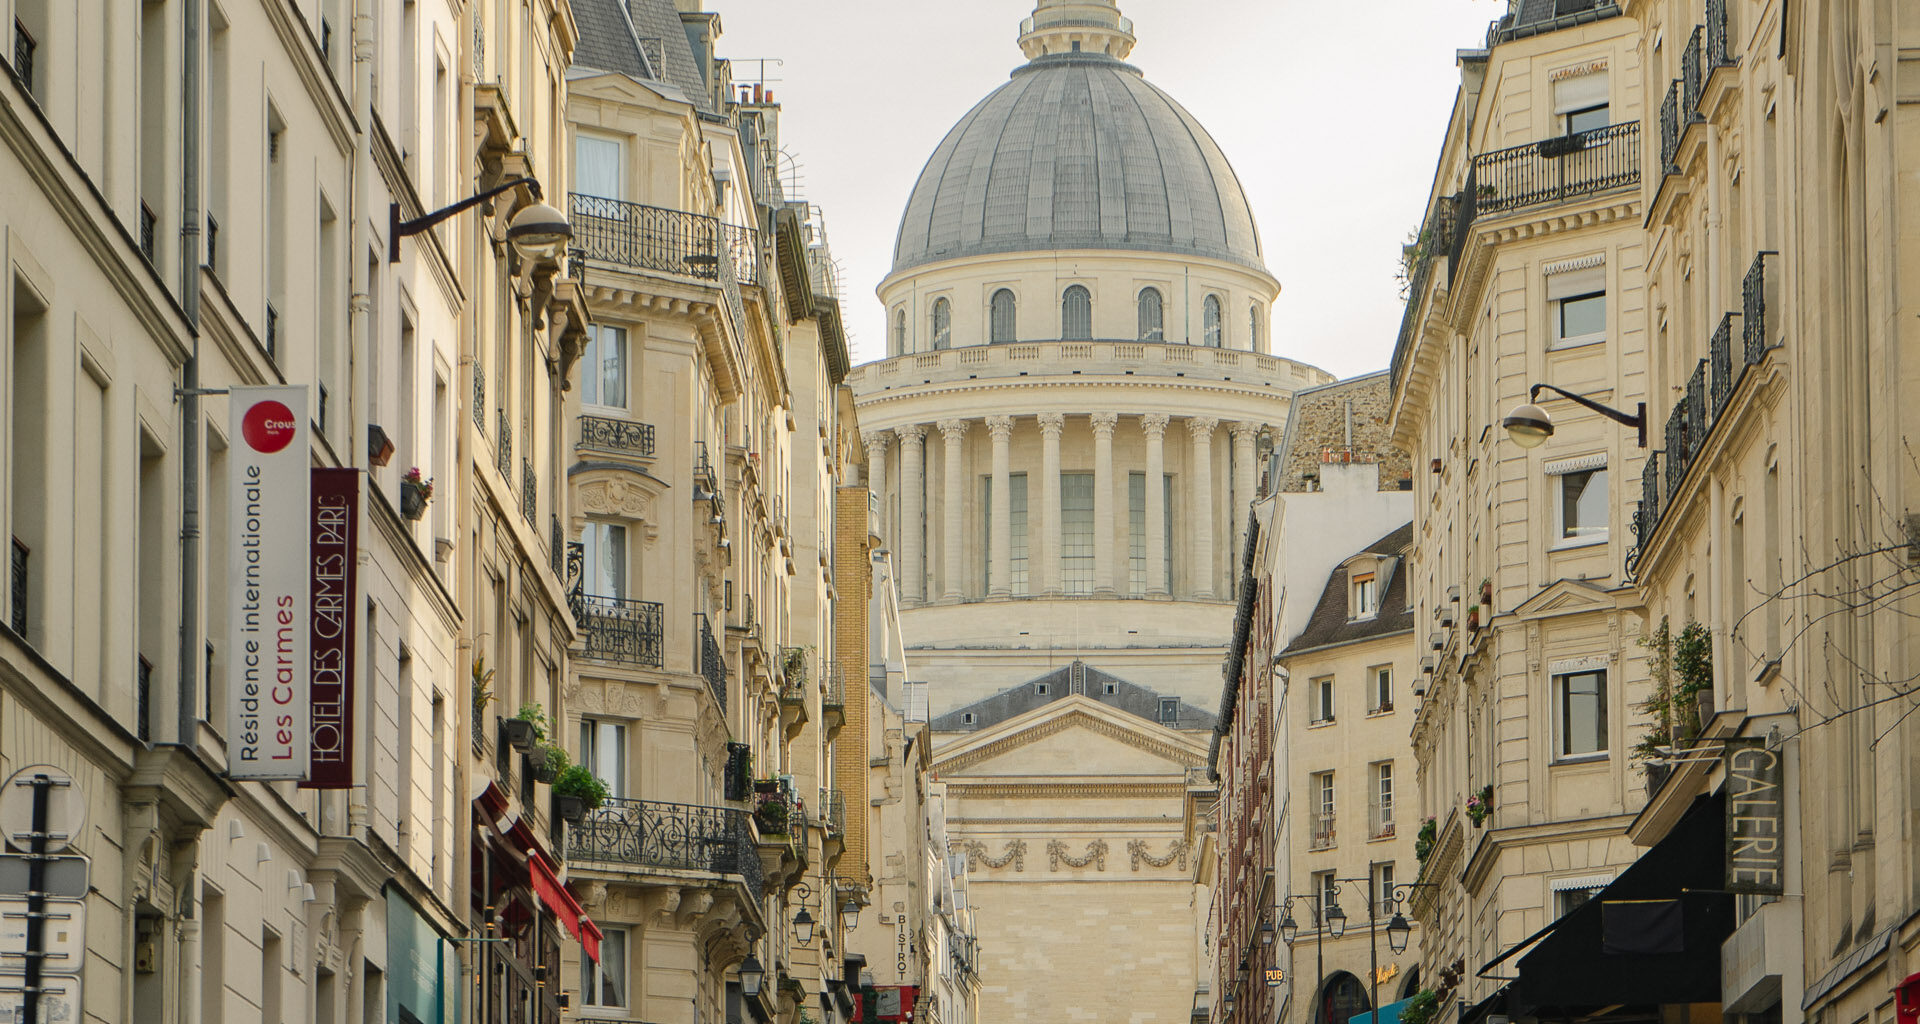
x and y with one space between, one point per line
268 426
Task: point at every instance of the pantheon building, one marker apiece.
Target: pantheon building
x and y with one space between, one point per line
1080 390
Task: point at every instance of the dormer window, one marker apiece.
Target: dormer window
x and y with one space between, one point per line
1365 601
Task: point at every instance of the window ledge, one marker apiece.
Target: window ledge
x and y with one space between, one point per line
1575 543
1319 723
1598 757
1380 712
1563 344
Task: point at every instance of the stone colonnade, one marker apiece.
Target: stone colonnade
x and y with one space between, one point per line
1201 496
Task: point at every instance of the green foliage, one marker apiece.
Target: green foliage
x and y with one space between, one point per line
576 781
537 715
1422 1008
557 760
482 683
1423 842
1680 668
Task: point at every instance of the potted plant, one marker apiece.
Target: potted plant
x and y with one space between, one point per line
525 729
416 491
1480 805
1486 591
379 445
482 693
547 762
576 791
773 814
1473 618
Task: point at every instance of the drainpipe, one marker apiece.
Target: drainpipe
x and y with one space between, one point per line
360 175
191 439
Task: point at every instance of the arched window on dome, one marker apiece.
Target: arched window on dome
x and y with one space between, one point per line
942 324
899 331
1076 315
1000 325
1211 322
1153 316
1253 328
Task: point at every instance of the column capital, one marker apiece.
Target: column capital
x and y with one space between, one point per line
877 439
912 434
1246 431
1051 424
1201 428
953 430
1155 424
1001 427
1103 423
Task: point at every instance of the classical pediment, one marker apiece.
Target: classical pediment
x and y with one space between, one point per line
1071 737
1571 597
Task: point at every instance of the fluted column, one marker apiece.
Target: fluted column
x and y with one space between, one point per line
1155 427
1051 423
1200 501
913 572
1000 541
1103 424
953 500
1244 435
877 442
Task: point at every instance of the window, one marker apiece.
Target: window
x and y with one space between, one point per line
1320 692
1136 533
1076 533
1383 890
1381 694
1001 320
1076 314
1577 303
899 333
1153 320
1320 792
1169 710
606 560
942 324
966 718
603 750
1380 801
596 167
1581 512
1040 688
23 47
1016 532
1324 886
1253 328
1211 322
605 983
1110 689
1366 596
603 371
1581 719
1566 901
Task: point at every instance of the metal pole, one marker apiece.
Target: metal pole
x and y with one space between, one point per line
1373 948
1320 957
36 899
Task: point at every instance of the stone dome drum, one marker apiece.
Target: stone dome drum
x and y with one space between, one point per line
1077 151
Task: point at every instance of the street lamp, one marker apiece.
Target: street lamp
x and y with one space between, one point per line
1266 933
1324 918
751 975
537 231
803 926
1289 928
1336 920
849 914
1397 931
1529 425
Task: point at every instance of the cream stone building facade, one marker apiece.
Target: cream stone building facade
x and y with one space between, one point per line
1530 268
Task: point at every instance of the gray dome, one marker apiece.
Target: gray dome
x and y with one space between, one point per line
1077 151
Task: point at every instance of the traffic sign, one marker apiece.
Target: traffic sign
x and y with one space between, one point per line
66 809
63 937
59 999
65 877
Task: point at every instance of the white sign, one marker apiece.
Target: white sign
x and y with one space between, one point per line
59 999
269 505
63 936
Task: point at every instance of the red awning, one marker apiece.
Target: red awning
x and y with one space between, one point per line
565 907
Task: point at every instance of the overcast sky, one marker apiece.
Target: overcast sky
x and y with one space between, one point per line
1331 111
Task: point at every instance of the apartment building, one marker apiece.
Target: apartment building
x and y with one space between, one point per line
1529 269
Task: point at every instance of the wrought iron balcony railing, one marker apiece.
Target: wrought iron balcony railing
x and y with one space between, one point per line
529 495
712 663
836 810
682 837
1322 835
1379 819
1670 127
834 697
1556 170
503 442
1718 55
23 50
17 579
607 434
621 629
1710 389
1690 84
647 237
479 397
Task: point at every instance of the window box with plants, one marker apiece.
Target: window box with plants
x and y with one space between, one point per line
545 762
577 791
1480 805
1679 704
525 728
1473 618
416 492
1424 839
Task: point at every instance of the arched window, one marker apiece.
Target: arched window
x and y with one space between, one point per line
942 324
1153 317
1253 328
1213 335
1001 321
899 332
1076 315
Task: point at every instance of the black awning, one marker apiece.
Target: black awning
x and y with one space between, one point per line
1651 937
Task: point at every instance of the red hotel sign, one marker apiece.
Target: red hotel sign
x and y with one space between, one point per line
333 550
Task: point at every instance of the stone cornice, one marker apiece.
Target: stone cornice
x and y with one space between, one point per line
985 790
1076 718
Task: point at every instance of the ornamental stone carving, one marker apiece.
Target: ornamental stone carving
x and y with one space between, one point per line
1051 424
1137 850
1096 856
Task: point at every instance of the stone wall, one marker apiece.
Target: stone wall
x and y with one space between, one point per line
1317 431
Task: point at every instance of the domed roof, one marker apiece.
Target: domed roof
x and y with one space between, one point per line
1077 151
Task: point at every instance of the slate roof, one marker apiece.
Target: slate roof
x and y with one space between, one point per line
1329 623
1077 151
1018 700
1532 17
644 39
